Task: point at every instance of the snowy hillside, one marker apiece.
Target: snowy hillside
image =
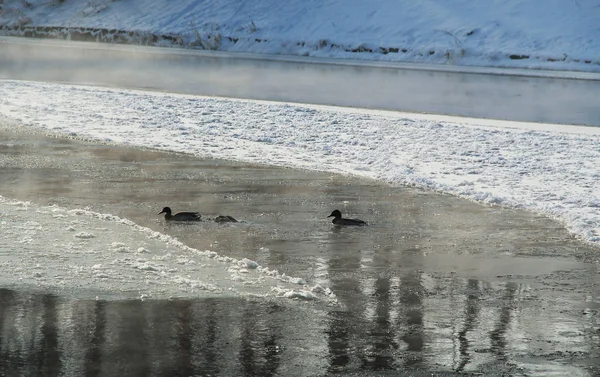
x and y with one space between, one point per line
549 34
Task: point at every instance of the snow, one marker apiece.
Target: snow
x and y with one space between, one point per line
553 34
38 251
519 165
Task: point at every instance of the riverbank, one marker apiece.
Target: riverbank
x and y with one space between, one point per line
561 35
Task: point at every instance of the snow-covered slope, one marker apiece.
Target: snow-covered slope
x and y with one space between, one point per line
549 34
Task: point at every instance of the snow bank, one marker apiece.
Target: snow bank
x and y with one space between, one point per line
553 34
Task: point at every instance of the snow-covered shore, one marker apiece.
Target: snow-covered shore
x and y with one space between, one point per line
555 34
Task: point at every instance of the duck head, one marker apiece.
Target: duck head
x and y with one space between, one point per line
166 210
336 213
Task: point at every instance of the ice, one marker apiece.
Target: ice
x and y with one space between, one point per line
85 235
124 260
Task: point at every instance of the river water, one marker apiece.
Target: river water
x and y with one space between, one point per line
434 284
519 95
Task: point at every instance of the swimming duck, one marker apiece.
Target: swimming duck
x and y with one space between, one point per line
225 219
180 216
338 220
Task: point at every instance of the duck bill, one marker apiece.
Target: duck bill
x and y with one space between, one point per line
161 212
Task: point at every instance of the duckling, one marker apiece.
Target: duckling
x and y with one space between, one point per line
338 220
180 216
225 219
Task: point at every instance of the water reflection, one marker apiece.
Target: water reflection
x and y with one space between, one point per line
471 316
93 355
47 335
397 326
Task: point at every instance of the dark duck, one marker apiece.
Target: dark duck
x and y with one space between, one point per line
179 216
193 216
339 220
225 219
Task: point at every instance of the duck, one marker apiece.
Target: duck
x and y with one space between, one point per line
339 220
225 219
180 216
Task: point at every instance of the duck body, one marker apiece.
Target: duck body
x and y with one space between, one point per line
180 216
339 220
225 219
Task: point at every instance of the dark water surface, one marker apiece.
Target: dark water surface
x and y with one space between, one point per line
434 284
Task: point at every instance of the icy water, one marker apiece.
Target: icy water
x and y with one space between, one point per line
415 88
434 284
